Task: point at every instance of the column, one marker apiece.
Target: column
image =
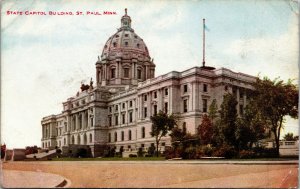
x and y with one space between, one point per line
160 100
238 100
170 99
149 107
76 122
195 94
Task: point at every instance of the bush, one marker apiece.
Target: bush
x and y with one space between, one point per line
132 155
81 152
265 152
140 152
225 151
246 154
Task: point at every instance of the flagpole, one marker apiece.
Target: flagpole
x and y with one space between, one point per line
203 40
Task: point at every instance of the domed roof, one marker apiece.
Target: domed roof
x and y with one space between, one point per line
125 40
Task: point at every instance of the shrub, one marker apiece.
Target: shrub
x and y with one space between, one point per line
140 152
246 154
265 152
225 151
81 152
132 155
169 153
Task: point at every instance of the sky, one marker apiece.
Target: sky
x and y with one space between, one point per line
45 58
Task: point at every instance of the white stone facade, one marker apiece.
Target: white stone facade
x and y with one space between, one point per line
116 111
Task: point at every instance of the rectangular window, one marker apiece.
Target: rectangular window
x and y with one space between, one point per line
92 121
130 103
145 111
241 109
241 94
109 121
139 74
155 94
113 73
204 105
123 118
110 109
116 120
166 107
145 97
204 87
116 108
155 109
185 105
126 72
166 92
185 88
123 105
130 117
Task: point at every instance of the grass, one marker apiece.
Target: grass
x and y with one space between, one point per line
110 159
162 159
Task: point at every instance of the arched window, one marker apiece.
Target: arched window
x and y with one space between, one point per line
126 43
139 73
122 135
80 121
84 139
116 137
86 118
91 138
109 137
129 135
184 127
143 132
78 139
126 72
73 140
112 73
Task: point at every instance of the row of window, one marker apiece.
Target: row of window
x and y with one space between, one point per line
117 106
129 136
126 72
204 89
123 120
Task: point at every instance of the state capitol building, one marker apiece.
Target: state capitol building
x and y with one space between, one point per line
115 110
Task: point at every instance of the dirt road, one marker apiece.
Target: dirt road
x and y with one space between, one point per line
94 174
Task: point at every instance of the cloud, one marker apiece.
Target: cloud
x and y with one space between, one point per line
272 56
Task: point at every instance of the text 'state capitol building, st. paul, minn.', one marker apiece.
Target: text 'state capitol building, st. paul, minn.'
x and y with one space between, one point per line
115 110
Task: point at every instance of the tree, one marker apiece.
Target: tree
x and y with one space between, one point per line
228 117
250 127
213 111
290 137
161 124
276 100
205 130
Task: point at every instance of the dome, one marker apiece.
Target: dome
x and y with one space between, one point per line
125 42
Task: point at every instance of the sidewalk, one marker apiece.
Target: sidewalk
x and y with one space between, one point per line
29 179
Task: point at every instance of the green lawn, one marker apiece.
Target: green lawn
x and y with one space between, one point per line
110 159
162 159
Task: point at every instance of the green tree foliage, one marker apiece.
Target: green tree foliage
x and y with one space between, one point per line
275 100
228 118
161 124
205 130
250 127
213 111
290 137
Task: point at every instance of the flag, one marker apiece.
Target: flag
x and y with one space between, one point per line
206 28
